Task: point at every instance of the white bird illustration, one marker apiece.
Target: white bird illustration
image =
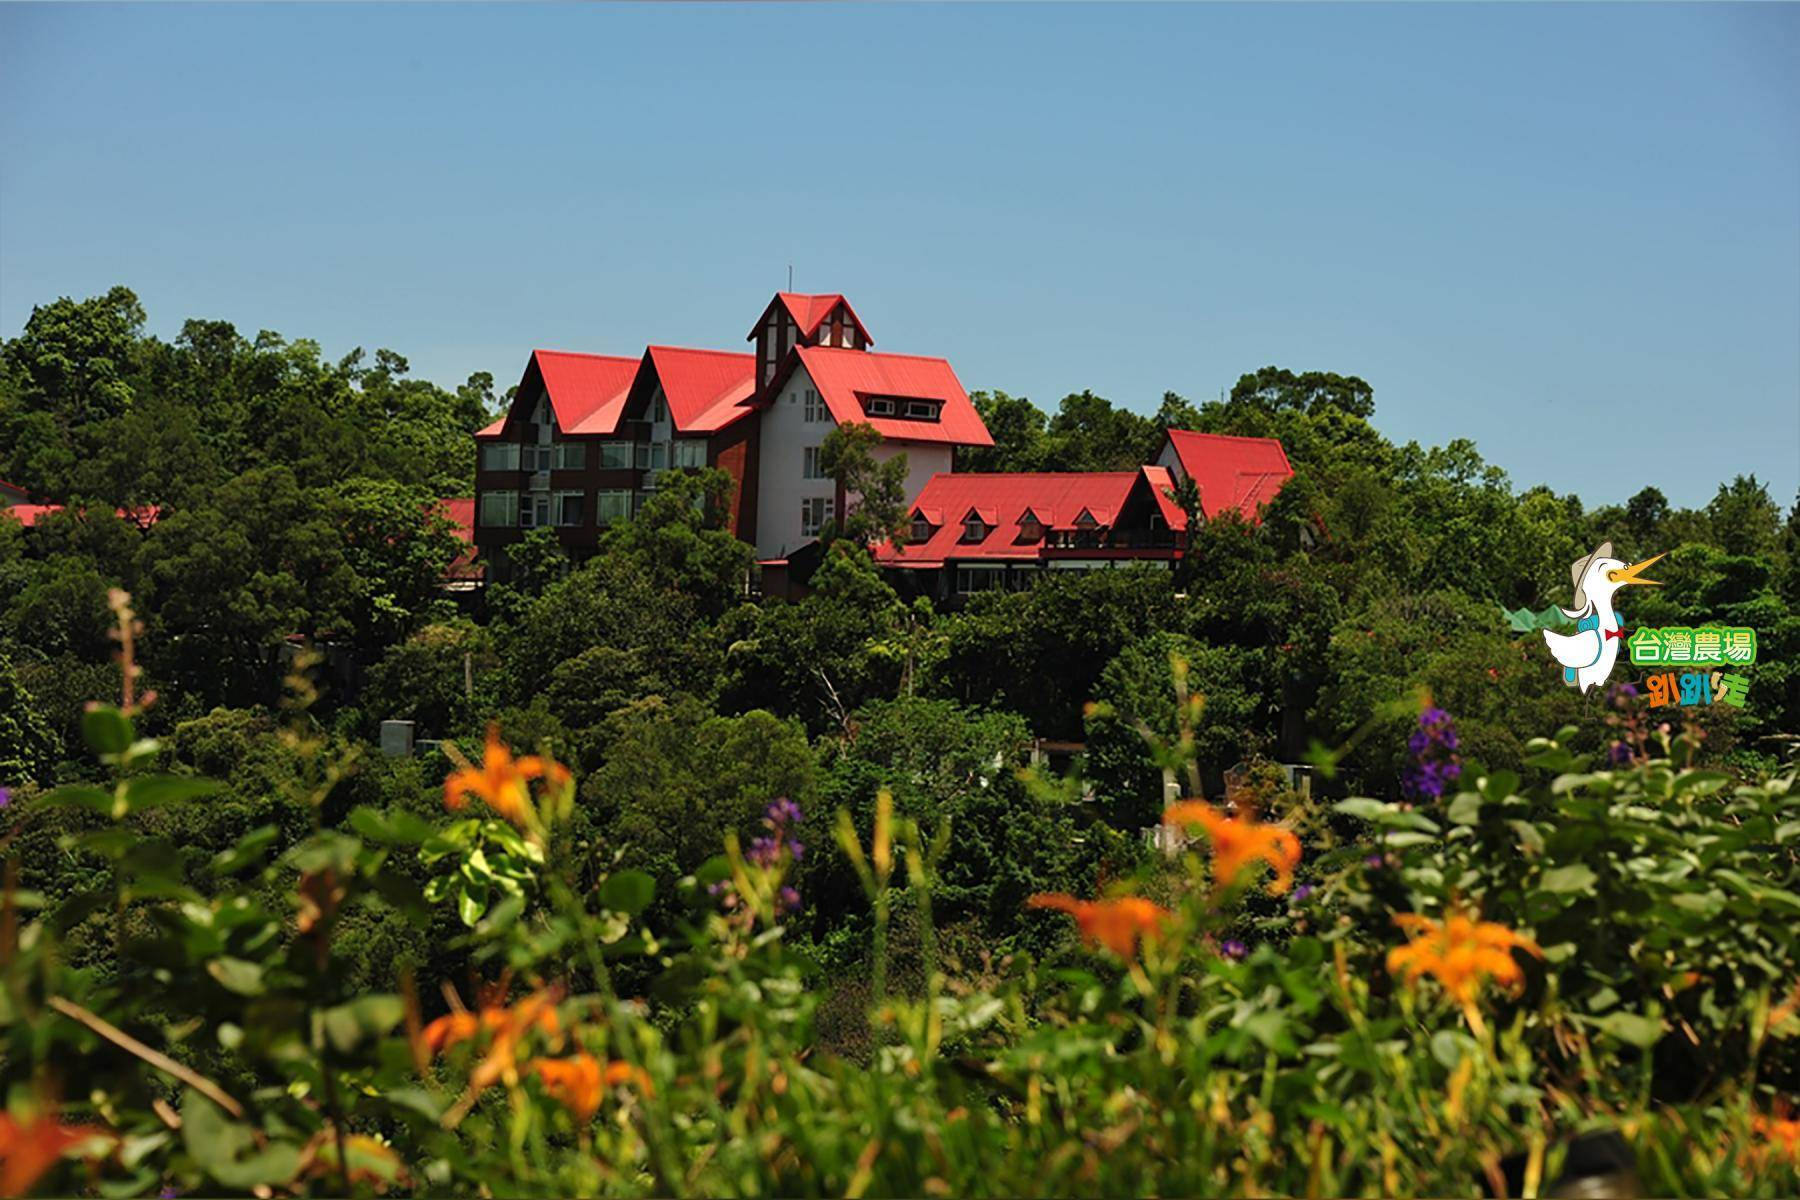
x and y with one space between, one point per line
1588 654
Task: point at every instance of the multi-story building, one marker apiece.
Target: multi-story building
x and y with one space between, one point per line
587 435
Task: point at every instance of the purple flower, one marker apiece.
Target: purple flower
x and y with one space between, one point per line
764 851
1435 762
1619 754
1232 948
782 812
5 796
1375 862
1302 892
788 900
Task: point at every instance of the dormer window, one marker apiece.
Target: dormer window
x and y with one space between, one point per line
921 528
1030 528
879 406
974 529
920 410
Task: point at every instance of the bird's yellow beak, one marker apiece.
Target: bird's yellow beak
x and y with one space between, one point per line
1630 574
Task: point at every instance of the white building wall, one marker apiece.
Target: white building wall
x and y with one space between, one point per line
781 481
1166 457
781 484
923 460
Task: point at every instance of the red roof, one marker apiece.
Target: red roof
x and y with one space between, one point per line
809 311
1057 499
29 515
705 388
587 391
460 511
1234 473
845 377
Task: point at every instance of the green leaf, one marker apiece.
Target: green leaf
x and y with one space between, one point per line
78 795
154 791
396 827
237 975
1449 1046
106 730
1465 809
1361 806
1576 877
367 1016
629 892
1406 837
219 1144
249 850
471 902
1640 1031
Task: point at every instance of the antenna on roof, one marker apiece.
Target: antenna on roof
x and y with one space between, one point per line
790 277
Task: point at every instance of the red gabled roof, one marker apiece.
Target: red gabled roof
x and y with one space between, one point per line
705 388
587 391
1234 473
809 311
1002 500
1162 486
28 515
844 377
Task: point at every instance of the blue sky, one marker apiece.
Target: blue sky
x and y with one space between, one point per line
1570 233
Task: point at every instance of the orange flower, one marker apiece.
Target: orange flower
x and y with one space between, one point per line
1460 952
500 781
508 1026
30 1148
578 1082
1116 924
1239 841
1781 1132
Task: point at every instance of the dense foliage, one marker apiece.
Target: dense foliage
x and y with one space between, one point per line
243 950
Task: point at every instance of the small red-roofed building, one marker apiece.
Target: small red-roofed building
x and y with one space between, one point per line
1234 474
978 532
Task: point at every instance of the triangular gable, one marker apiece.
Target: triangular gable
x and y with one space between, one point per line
587 391
705 388
809 312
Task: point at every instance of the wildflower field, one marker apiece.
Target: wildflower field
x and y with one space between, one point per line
1450 995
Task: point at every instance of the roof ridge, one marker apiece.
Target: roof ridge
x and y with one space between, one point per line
700 350
586 354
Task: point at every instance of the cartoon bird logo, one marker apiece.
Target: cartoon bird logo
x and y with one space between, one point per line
1588 654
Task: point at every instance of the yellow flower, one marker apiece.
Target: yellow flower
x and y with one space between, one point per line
501 782
1237 842
1116 924
1460 952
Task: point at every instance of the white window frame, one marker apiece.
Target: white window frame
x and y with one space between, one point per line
817 412
534 510
920 410
816 512
811 466
570 456
619 500
880 406
499 509
559 502
975 529
616 456
652 456
508 454
689 452
967 573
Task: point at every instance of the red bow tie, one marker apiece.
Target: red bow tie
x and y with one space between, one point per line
1613 633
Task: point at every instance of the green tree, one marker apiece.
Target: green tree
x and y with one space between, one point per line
874 489
1017 427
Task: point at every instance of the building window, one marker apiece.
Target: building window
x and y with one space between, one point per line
815 513
499 509
1030 528
690 452
570 508
612 506
921 530
571 456
659 408
615 456
810 467
880 406
974 529
534 510
979 579
534 458
921 410
816 411
500 456
652 456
